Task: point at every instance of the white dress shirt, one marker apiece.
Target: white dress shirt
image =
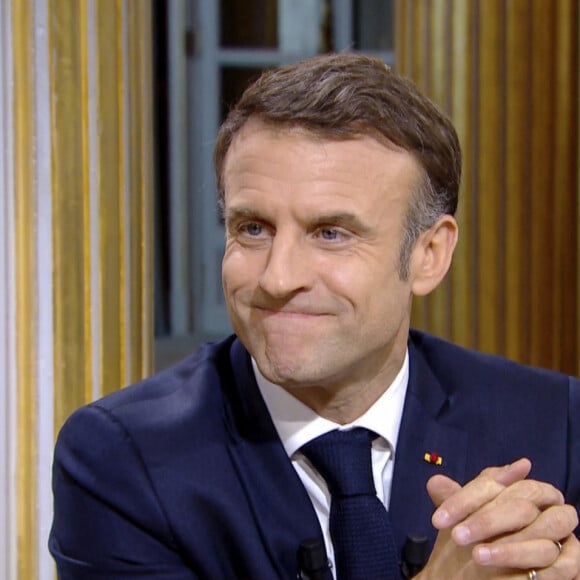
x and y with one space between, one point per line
297 424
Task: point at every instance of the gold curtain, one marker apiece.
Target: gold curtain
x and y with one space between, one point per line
506 71
79 87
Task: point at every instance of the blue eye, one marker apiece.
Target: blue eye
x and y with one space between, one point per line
329 234
252 229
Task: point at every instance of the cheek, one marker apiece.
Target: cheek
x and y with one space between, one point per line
237 270
376 292
359 279
229 271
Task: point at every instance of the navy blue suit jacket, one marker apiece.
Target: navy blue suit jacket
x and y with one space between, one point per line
183 476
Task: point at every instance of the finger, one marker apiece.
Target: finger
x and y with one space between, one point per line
516 508
553 523
530 555
492 521
540 493
534 554
440 488
465 501
508 474
476 493
566 565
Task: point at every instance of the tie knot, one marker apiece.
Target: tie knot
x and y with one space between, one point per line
343 458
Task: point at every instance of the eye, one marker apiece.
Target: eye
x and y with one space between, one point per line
251 229
330 234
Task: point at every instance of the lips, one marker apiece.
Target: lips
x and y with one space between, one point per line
289 312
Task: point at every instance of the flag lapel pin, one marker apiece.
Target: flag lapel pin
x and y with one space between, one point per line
433 458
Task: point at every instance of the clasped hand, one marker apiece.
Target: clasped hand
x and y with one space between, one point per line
501 526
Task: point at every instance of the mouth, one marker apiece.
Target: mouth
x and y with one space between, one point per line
288 313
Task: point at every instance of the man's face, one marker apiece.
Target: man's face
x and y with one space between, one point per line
310 272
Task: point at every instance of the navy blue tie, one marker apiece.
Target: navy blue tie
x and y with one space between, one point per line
364 547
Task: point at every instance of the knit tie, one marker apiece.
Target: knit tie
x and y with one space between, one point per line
364 547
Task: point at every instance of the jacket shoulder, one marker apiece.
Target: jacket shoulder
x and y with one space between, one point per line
203 362
451 362
182 401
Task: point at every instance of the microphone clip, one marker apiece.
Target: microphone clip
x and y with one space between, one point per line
415 555
312 560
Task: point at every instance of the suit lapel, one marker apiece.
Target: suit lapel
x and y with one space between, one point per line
423 430
281 506
282 509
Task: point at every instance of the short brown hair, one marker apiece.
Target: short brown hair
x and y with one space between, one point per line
342 96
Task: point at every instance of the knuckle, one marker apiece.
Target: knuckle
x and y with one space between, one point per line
574 512
488 472
523 510
560 521
532 488
482 523
539 492
499 520
569 516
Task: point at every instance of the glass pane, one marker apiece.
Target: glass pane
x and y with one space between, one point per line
233 82
373 25
249 23
304 26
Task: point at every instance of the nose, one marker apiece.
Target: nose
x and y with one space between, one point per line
288 267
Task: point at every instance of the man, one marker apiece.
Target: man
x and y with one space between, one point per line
338 183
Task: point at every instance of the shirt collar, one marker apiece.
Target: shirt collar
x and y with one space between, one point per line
298 424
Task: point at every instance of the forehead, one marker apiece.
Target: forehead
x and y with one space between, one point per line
260 151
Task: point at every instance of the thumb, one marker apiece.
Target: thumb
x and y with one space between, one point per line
440 487
508 474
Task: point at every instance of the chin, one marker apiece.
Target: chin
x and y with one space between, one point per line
284 359
291 372
280 372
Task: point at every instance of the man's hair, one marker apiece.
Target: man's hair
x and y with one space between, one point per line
348 95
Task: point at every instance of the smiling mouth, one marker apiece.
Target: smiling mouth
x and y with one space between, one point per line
288 313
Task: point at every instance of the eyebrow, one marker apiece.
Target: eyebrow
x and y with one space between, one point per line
240 213
344 219
341 219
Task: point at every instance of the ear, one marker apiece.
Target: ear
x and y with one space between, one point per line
432 254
